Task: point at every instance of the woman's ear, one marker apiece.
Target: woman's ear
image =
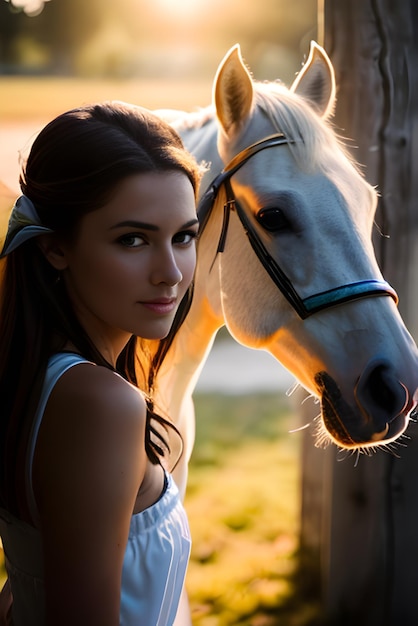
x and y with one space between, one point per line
53 251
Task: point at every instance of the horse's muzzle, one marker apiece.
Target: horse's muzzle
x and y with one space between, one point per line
380 412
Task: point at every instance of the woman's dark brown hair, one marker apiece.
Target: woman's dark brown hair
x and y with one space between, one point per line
73 167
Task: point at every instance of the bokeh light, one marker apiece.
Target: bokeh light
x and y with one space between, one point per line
30 7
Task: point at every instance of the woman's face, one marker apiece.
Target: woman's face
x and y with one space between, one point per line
133 260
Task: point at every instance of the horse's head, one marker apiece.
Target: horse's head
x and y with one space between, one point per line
298 276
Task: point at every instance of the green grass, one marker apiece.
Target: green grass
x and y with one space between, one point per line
243 506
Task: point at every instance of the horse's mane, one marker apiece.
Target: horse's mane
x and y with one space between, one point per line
292 115
194 119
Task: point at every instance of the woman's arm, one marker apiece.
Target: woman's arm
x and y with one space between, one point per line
89 464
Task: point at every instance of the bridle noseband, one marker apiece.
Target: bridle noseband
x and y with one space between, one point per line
303 307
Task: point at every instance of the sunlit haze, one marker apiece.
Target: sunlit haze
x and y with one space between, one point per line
182 9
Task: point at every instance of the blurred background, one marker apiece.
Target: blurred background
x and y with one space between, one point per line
244 497
152 38
58 54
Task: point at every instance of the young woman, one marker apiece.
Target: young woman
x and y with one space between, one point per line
100 252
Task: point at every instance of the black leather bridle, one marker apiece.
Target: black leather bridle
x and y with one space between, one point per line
303 307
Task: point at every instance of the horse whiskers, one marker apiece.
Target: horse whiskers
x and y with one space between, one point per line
392 447
356 462
290 392
292 389
323 440
413 416
296 430
322 437
400 442
389 449
315 399
343 453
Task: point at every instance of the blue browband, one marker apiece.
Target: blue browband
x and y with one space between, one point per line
303 307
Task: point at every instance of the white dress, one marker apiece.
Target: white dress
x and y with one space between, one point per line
156 555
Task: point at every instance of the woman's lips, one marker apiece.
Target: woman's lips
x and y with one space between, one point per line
160 306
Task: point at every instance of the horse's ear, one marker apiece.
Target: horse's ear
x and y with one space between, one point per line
232 91
316 81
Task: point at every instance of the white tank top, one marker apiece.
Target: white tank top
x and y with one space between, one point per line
156 555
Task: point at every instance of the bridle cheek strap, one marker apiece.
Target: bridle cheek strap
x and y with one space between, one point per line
303 307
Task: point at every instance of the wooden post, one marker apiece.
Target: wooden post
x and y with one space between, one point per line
368 558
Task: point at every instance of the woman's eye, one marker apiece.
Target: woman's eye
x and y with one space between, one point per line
131 241
186 237
273 220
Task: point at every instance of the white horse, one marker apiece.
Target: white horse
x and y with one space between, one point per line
285 258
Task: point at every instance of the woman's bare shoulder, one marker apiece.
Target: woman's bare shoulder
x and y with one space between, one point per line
89 386
93 426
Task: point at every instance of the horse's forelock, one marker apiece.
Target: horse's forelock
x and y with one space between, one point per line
321 149
294 116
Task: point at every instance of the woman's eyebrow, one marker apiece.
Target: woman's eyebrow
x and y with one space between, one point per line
190 223
147 226
134 224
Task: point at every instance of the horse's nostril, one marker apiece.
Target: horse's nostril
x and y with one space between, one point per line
380 389
379 394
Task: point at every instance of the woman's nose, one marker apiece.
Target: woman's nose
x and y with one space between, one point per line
166 269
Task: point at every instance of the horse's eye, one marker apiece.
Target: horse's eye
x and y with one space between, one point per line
273 219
